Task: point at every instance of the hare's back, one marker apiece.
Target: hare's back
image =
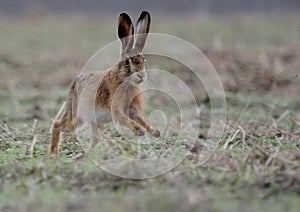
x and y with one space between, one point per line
86 82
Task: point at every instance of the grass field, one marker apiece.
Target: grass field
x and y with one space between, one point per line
256 166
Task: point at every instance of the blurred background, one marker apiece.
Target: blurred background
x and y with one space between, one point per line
253 44
215 7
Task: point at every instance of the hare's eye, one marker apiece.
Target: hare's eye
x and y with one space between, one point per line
144 59
127 61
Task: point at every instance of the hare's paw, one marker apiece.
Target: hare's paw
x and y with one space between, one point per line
140 132
155 133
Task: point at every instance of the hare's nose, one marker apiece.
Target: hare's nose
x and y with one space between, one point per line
141 75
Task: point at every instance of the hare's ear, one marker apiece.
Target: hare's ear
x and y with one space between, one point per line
142 29
125 32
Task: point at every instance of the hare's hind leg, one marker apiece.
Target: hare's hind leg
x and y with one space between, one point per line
64 125
55 136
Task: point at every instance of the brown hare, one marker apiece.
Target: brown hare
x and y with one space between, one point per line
91 94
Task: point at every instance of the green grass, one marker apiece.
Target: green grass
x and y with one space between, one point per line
259 170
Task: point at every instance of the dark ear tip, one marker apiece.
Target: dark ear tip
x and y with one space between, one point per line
144 13
124 15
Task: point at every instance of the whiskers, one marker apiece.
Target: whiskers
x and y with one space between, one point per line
147 84
125 84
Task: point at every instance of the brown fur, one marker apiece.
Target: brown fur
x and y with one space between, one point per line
94 92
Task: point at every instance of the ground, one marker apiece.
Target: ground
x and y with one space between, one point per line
256 166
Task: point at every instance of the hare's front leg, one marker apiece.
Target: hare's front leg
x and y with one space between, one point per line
149 128
95 136
137 116
126 121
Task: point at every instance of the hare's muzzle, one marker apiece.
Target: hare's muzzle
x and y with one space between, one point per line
141 76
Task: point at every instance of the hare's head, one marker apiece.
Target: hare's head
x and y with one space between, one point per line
132 64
